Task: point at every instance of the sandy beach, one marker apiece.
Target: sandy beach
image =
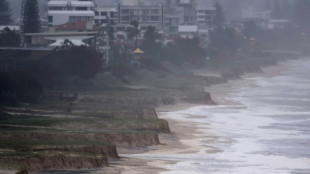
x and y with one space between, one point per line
186 135
180 141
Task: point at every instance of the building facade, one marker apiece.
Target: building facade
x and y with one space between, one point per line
205 17
63 11
146 15
189 11
179 12
106 16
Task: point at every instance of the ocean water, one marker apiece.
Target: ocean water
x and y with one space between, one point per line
264 130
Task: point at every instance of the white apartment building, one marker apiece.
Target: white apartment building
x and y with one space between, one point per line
251 13
106 16
146 15
63 11
205 16
179 12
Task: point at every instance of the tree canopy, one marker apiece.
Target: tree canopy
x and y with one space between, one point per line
219 19
79 61
5 13
9 38
149 43
30 19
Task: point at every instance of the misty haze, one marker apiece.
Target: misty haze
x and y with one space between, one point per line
154 86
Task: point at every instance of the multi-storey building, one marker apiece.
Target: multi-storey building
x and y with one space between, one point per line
63 11
146 15
179 12
106 16
205 16
189 11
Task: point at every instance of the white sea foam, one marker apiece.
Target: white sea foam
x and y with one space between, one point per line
266 133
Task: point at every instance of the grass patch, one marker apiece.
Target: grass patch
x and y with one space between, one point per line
25 145
40 121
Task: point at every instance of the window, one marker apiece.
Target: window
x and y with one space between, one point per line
120 28
125 18
154 18
104 13
146 12
125 11
154 11
50 19
146 18
112 14
103 21
96 13
81 8
80 18
55 8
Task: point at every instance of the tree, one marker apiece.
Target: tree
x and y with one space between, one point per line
9 38
133 31
68 62
80 61
149 43
219 19
5 14
30 17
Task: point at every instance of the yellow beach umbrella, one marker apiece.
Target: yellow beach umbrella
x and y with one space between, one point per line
138 51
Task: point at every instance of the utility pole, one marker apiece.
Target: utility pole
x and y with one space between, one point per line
21 19
162 16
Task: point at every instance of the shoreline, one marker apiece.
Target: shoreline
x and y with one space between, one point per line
184 143
181 140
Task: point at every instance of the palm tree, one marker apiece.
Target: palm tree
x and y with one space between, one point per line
133 31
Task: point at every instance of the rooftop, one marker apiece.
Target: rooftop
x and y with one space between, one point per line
11 27
72 3
78 25
76 13
62 33
108 9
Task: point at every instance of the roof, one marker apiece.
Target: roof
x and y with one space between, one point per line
57 3
188 28
27 48
69 37
107 9
78 25
63 34
82 4
75 13
60 42
72 3
11 27
138 51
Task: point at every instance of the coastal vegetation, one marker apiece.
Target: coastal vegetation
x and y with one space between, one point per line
5 13
72 107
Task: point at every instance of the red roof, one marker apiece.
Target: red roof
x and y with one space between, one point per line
78 25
